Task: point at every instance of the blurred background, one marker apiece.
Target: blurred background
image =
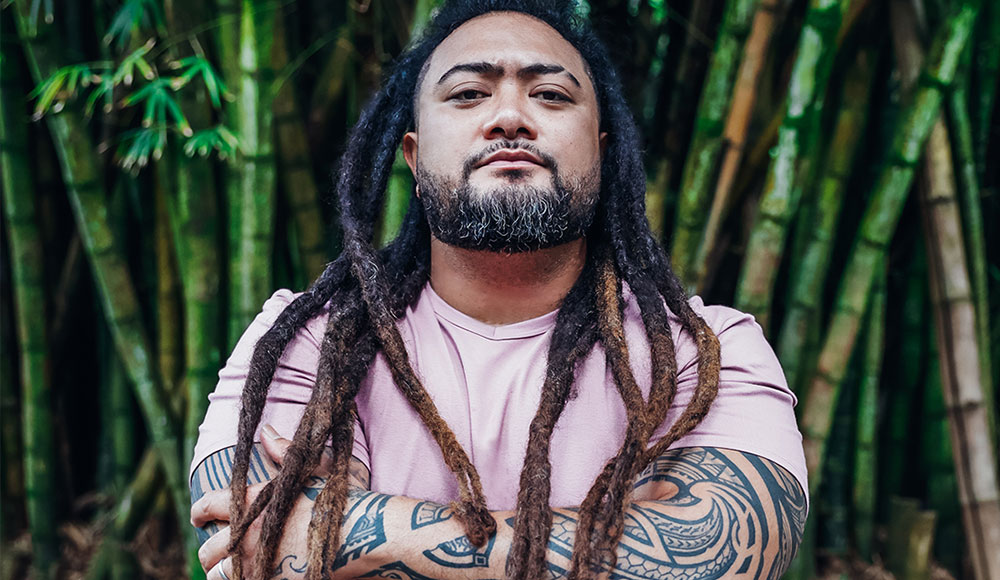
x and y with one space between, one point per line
827 165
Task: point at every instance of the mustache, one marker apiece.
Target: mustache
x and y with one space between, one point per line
475 159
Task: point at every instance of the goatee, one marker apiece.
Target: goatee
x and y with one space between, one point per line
510 218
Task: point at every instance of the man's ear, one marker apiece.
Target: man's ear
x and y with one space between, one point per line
602 139
410 151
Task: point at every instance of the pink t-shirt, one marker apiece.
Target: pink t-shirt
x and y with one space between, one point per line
486 382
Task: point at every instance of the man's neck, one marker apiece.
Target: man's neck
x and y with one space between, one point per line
498 288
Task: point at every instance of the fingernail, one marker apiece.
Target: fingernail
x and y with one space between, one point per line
269 432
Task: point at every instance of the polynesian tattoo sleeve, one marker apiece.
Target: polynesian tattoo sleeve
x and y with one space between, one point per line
698 513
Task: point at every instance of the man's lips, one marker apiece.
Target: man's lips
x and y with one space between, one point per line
507 159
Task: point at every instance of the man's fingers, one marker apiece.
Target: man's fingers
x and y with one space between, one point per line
213 551
274 444
214 505
221 571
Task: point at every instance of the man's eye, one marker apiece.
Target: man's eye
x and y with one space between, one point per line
552 96
468 95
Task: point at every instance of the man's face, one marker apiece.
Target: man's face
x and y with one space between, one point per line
507 150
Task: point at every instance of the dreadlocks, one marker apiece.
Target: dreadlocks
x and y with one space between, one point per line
368 290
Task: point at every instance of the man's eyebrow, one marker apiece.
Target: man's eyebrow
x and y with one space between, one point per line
480 68
533 70
495 70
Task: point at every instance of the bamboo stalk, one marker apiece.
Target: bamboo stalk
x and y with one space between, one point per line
26 266
118 438
81 172
911 534
939 460
193 211
11 447
678 112
190 215
866 413
296 167
833 500
708 137
735 134
987 70
252 209
789 171
909 367
333 78
878 225
799 335
169 343
954 314
972 217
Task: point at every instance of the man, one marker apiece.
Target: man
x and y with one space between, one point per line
523 322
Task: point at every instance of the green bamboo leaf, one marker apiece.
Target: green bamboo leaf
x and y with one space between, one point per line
102 89
139 145
218 138
135 60
195 66
178 115
47 91
133 14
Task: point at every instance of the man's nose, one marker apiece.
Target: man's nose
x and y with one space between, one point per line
510 117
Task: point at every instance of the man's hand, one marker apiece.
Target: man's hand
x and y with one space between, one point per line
213 508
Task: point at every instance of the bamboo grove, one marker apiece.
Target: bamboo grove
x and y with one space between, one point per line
829 166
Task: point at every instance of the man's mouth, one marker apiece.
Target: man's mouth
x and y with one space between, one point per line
511 159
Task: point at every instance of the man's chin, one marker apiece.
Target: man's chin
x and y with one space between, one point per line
503 246
520 180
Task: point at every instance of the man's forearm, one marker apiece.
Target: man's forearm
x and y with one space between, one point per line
713 513
398 537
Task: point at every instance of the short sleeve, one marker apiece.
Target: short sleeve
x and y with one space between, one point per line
290 388
754 409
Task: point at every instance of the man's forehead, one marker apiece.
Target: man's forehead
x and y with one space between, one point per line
508 39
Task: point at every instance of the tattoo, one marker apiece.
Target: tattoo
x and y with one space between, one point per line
716 524
427 513
314 485
395 571
216 472
790 507
461 553
293 570
368 532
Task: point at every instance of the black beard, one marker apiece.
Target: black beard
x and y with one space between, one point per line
511 218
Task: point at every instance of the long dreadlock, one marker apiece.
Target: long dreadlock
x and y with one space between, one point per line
368 290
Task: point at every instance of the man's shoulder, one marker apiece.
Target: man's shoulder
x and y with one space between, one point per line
732 326
311 332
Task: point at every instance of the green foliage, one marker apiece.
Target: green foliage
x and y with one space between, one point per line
138 146
160 105
135 61
195 66
162 113
132 17
217 138
53 93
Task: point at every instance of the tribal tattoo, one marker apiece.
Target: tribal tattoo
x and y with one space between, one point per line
715 521
427 513
699 513
368 531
